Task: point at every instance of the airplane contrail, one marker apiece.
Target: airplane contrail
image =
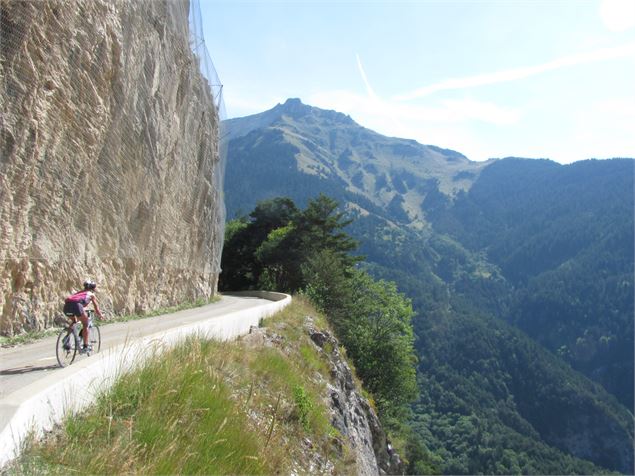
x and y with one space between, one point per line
520 73
369 89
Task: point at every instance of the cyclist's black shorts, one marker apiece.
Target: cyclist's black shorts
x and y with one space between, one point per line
73 308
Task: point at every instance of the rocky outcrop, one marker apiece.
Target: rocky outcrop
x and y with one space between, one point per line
109 163
352 415
360 433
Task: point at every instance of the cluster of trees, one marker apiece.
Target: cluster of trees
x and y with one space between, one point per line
562 236
518 394
281 247
269 248
492 401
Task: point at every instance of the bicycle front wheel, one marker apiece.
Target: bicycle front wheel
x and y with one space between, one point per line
95 339
65 349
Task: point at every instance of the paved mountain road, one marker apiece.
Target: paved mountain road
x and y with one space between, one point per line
25 364
35 393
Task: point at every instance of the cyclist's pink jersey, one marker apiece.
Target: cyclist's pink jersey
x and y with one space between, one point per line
82 297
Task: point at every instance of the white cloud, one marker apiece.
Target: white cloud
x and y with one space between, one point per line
447 111
607 129
391 117
618 15
515 74
441 123
621 109
470 109
453 122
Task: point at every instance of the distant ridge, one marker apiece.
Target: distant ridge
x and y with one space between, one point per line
385 171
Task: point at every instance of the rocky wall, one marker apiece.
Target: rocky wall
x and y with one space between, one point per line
351 413
109 163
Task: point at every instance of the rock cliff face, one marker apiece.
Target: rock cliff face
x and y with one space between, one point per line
108 157
360 438
352 415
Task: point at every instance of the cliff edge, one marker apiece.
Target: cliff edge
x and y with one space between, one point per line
109 159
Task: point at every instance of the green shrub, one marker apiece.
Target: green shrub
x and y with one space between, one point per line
303 405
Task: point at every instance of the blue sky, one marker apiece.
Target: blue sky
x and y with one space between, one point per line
540 78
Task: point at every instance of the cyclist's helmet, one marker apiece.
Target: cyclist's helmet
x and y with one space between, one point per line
89 285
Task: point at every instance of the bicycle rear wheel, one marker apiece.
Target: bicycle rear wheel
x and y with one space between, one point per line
65 349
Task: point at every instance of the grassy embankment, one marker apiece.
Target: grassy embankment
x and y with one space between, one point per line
242 407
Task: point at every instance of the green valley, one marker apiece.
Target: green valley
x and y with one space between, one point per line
520 273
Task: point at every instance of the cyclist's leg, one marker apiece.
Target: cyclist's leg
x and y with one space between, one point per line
84 319
69 330
70 321
72 310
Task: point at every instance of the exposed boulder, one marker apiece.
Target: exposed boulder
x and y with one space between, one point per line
352 415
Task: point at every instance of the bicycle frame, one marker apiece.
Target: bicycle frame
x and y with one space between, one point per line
65 351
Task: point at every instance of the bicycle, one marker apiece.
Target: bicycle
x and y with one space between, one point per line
70 341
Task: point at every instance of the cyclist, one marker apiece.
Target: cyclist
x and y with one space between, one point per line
74 308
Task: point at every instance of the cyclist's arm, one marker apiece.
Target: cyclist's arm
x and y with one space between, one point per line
96 306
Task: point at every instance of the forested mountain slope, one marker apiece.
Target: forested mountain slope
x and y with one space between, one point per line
544 247
563 237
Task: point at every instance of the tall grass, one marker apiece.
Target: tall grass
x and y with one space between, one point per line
207 408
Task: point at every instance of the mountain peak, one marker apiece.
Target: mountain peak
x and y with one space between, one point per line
294 103
296 109
293 107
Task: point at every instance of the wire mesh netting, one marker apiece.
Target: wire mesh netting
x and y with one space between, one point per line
198 46
110 165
